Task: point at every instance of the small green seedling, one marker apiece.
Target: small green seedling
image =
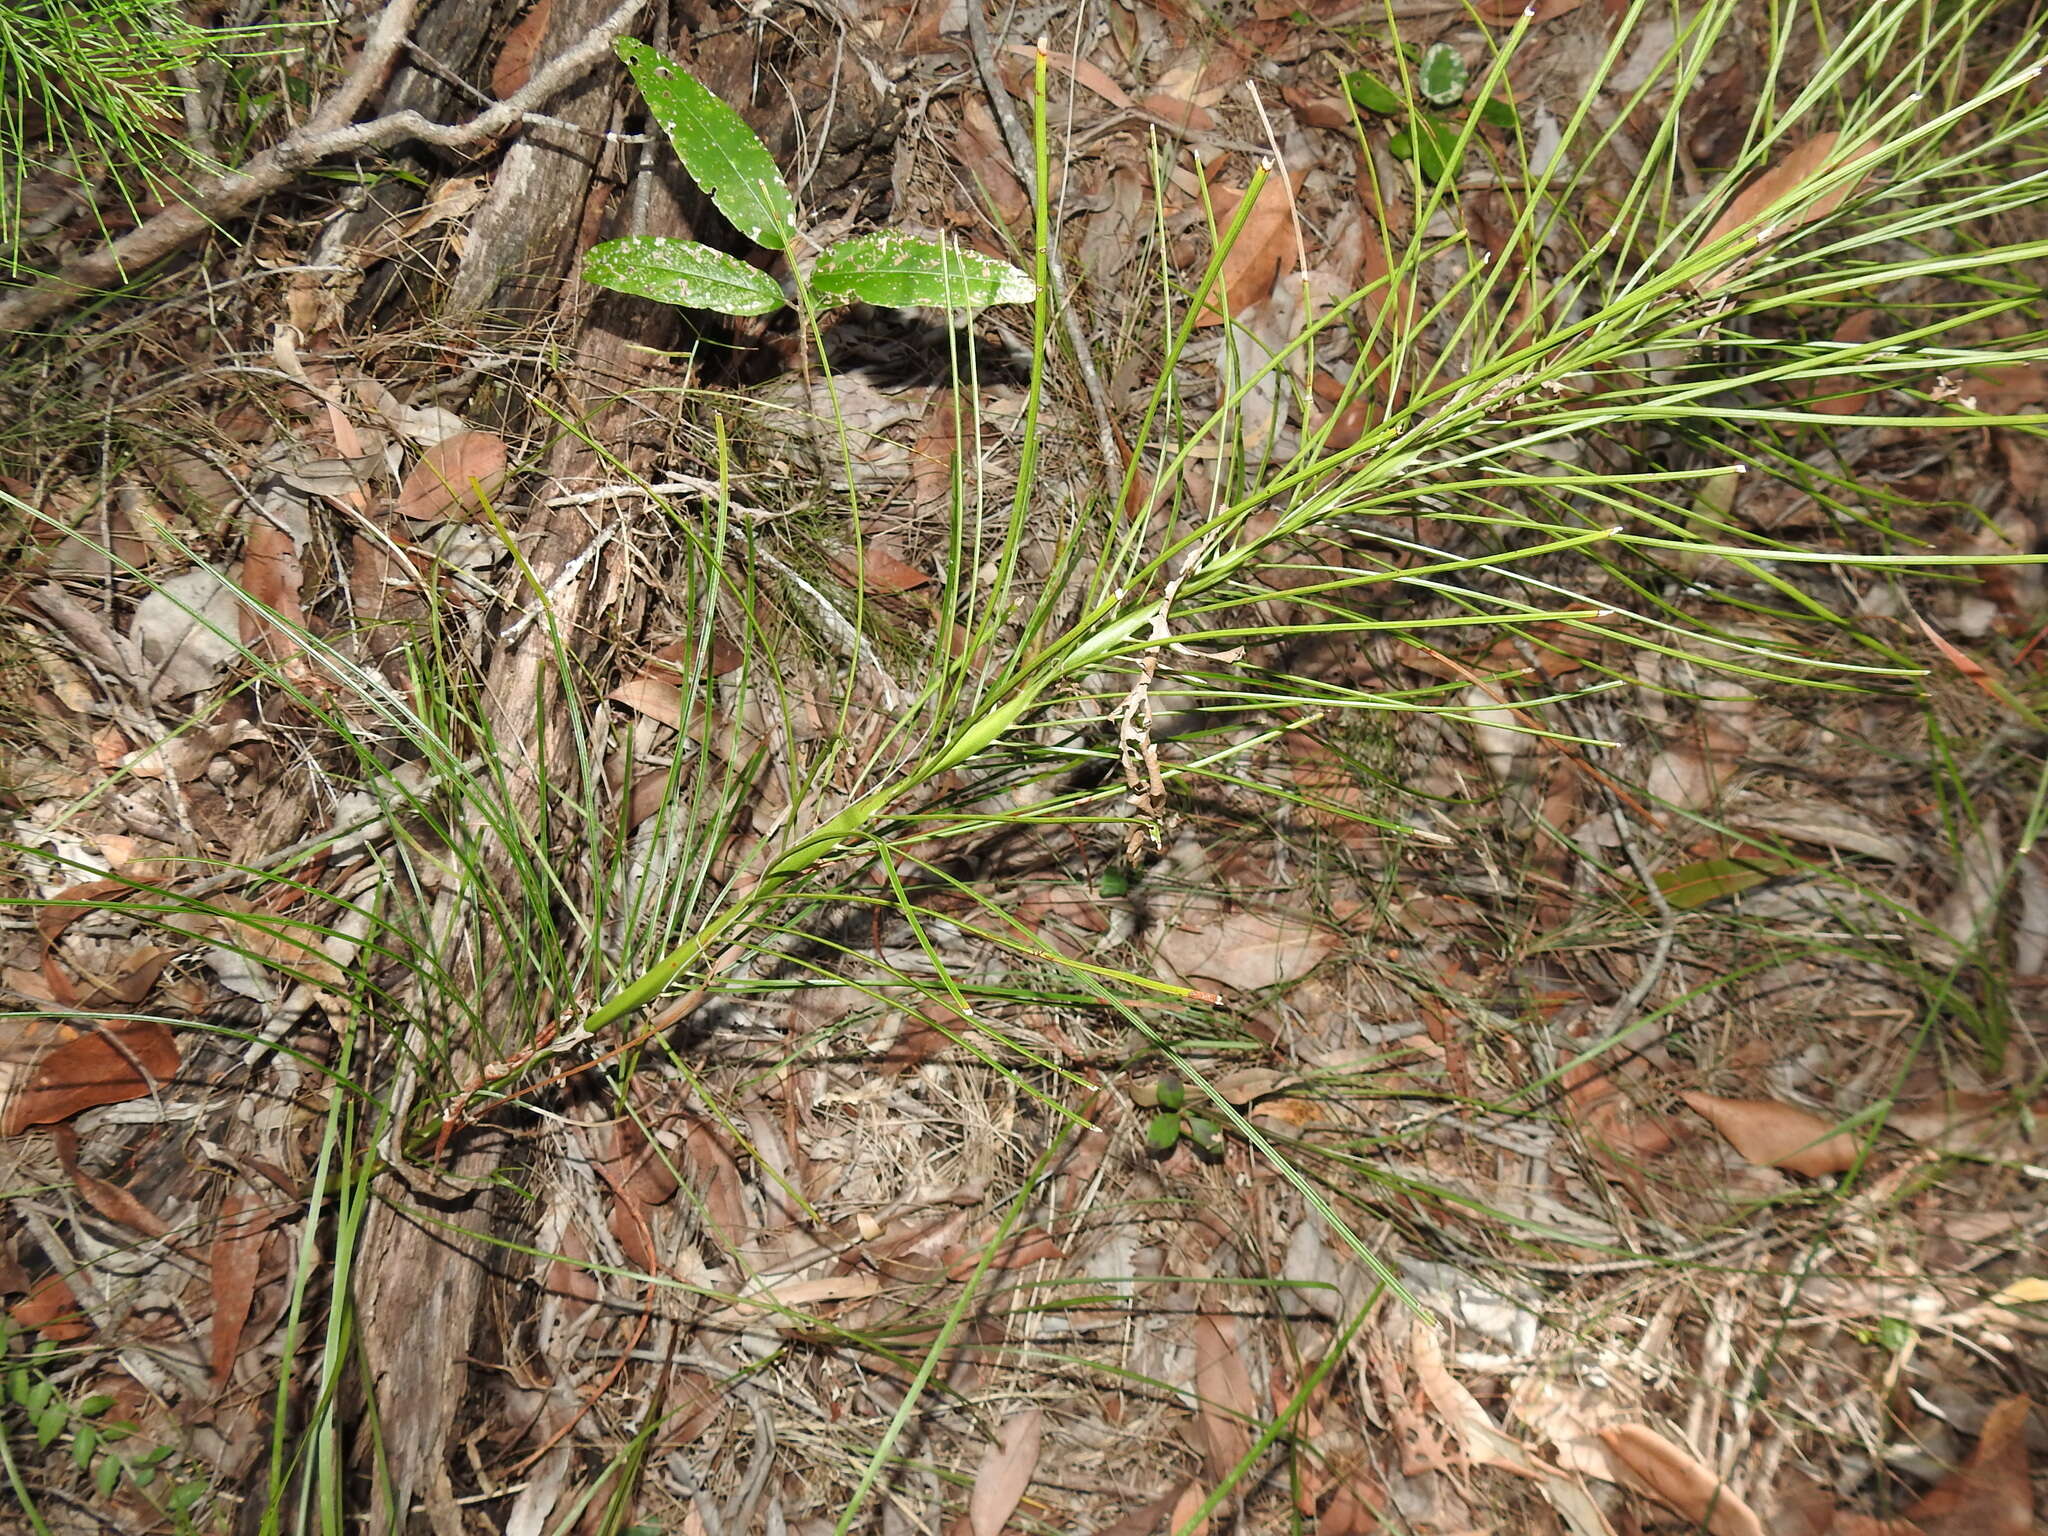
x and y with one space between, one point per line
1433 125
1171 1119
728 160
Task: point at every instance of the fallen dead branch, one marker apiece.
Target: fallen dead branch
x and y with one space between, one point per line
331 131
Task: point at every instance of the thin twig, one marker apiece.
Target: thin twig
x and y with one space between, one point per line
329 132
1019 144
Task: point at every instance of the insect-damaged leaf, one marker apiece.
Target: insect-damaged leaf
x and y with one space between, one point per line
899 271
722 154
681 272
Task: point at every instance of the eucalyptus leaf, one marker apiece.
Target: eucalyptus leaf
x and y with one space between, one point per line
1442 76
681 272
901 272
722 154
1373 95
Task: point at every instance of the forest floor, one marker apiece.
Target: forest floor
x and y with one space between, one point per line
1405 1071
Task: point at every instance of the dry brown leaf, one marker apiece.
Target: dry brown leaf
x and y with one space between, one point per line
881 569
1147 1518
515 59
1183 1522
455 477
51 1071
1264 248
2004 389
1176 112
1674 1476
1774 1135
978 145
235 1261
271 578
1223 1386
1776 191
109 1199
1972 1124
1990 1494
797 1295
720 1189
1481 1440
1028 1247
1241 949
1004 1474
52 1311
569 1276
658 698
1838 394
1085 73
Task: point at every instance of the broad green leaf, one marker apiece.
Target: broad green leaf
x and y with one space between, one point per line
899 271
83 1446
1497 112
1162 1131
1430 143
681 272
1442 76
1372 95
722 154
94 1406
105 1475
50 1421
1205 1134
1168 1093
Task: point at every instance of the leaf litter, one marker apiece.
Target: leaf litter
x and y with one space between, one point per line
1436 992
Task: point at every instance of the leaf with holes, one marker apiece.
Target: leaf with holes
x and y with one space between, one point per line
901 272
681 272
722 154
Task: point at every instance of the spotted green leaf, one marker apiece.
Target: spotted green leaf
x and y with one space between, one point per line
1442 75
902 272
722 154
681 272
